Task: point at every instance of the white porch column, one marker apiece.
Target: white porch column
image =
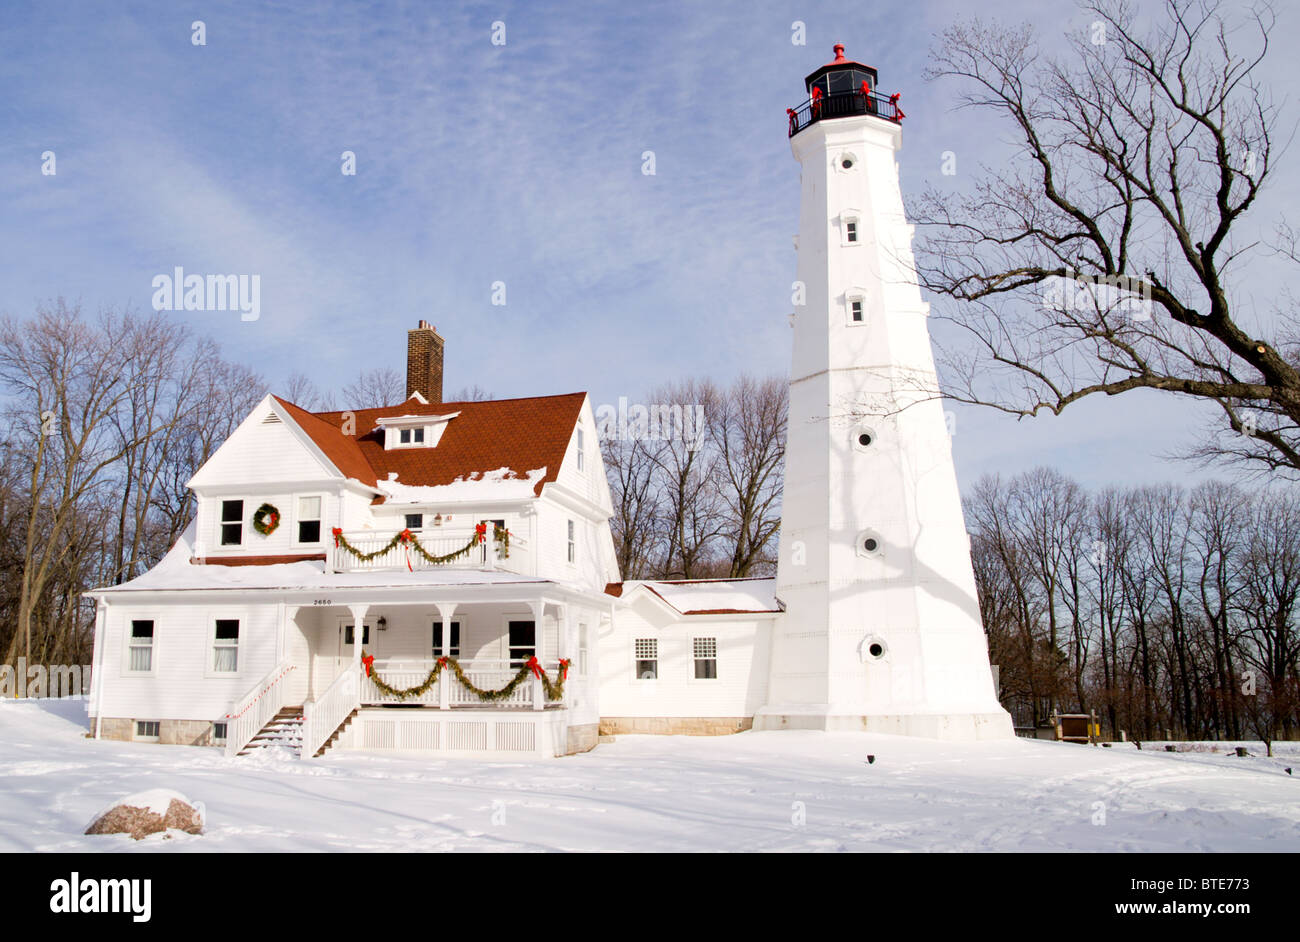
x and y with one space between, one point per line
539 647
446 610
358 631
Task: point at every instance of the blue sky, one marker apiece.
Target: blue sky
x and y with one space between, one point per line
479 163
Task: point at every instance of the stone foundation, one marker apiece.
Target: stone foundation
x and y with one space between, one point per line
581 739
675 725
170 732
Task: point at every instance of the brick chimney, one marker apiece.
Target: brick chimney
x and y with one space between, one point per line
424 362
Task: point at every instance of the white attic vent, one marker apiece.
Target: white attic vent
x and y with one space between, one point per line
272 419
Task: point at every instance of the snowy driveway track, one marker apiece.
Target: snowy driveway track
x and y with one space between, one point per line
732 793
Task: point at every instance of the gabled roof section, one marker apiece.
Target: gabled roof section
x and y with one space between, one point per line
519 434
740 596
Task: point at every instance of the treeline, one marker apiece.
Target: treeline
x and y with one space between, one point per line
695 474
1161 608
104 419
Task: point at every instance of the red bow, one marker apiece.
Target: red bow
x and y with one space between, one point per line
898 112
405 536
338 532
367 660
442 662
564 669
535 667
816 101
481 530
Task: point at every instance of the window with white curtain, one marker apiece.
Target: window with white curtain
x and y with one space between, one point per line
141 646
308 519
225 646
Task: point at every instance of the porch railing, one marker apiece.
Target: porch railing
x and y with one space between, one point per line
256 708
321 718
438 542
449 692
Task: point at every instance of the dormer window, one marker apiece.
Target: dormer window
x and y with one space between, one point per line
413 431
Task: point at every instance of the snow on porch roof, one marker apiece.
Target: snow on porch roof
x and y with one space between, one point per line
708 596
522 435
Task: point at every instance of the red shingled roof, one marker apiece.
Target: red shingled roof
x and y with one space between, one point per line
519 434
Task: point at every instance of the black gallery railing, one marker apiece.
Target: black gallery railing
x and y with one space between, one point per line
843 105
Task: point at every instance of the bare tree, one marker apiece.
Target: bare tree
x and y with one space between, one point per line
637 524
1102 257
374 389
748 434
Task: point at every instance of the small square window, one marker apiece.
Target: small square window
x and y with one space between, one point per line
417 435
404 436
647 658
414 521
232 522
219 732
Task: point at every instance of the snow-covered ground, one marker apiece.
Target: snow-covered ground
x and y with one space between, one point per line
777 791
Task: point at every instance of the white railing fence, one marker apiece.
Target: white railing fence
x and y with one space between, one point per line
486 674
321 718
486 555
256 708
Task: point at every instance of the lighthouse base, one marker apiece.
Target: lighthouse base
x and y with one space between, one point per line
953 727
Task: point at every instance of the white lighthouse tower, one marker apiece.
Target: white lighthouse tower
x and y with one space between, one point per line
881 630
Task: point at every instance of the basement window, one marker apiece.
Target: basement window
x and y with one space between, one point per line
219 734
147 730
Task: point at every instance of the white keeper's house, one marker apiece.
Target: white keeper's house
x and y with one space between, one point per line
439 577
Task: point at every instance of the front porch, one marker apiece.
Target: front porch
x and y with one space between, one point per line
475 673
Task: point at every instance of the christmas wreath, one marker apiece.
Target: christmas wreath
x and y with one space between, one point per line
266 519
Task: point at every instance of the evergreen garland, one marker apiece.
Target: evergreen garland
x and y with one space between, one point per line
554 689
407 538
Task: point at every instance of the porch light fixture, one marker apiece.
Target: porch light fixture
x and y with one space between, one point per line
437 520
383 623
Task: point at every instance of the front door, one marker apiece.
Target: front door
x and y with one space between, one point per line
347 642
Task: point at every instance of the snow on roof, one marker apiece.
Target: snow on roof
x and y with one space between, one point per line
175 571
501 484
712 596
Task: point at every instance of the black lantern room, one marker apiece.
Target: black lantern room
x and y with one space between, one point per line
839 89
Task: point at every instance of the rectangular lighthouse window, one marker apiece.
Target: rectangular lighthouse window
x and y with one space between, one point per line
855 308
851 231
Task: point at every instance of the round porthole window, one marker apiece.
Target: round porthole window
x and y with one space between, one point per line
869 543
863 438
872 649
845 162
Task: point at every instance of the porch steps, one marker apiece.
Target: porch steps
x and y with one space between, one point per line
284 731
347 721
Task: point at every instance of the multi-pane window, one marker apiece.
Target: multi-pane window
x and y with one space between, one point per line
855 309
573 549
219 732
706 658
851 231
232 522
225 646
147 729
647 658
411 436
454 650
523 642
141 645
308 519
414 521
581 451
